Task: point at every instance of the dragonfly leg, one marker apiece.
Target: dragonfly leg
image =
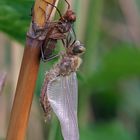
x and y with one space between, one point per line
53 57
49 58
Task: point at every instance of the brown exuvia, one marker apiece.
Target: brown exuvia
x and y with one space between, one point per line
53 31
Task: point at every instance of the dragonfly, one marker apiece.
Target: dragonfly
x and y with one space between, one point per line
60 89
53 31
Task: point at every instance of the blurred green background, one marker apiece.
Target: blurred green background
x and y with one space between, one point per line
109 78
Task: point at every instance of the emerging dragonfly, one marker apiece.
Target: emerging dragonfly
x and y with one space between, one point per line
60 90
53 31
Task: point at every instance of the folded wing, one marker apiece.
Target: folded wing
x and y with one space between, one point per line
62 94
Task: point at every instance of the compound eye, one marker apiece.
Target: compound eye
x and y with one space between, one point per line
78 49
72 18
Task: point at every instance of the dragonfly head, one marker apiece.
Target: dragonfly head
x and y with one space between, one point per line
77 48
69 16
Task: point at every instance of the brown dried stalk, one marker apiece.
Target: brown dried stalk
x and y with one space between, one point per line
27 77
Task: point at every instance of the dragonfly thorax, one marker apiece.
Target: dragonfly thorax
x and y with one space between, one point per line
69 64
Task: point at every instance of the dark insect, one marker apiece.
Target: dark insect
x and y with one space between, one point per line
53 31
60 90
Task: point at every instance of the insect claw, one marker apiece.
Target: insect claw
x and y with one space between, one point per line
43 58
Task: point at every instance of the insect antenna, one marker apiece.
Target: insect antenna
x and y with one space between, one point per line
55 8
67 4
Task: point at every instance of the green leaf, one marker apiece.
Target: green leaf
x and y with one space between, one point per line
15 18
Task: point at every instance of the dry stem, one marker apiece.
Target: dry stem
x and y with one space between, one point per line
27 77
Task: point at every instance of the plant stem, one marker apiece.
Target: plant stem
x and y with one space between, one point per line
27 79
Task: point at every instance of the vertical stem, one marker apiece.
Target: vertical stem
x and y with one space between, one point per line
24 92
27 80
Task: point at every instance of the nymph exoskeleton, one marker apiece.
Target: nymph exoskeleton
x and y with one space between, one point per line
53 31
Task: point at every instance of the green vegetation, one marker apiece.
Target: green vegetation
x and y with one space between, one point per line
109 78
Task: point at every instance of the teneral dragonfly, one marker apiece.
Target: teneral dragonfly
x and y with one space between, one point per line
60 90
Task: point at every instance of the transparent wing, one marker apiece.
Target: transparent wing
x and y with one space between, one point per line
62 95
